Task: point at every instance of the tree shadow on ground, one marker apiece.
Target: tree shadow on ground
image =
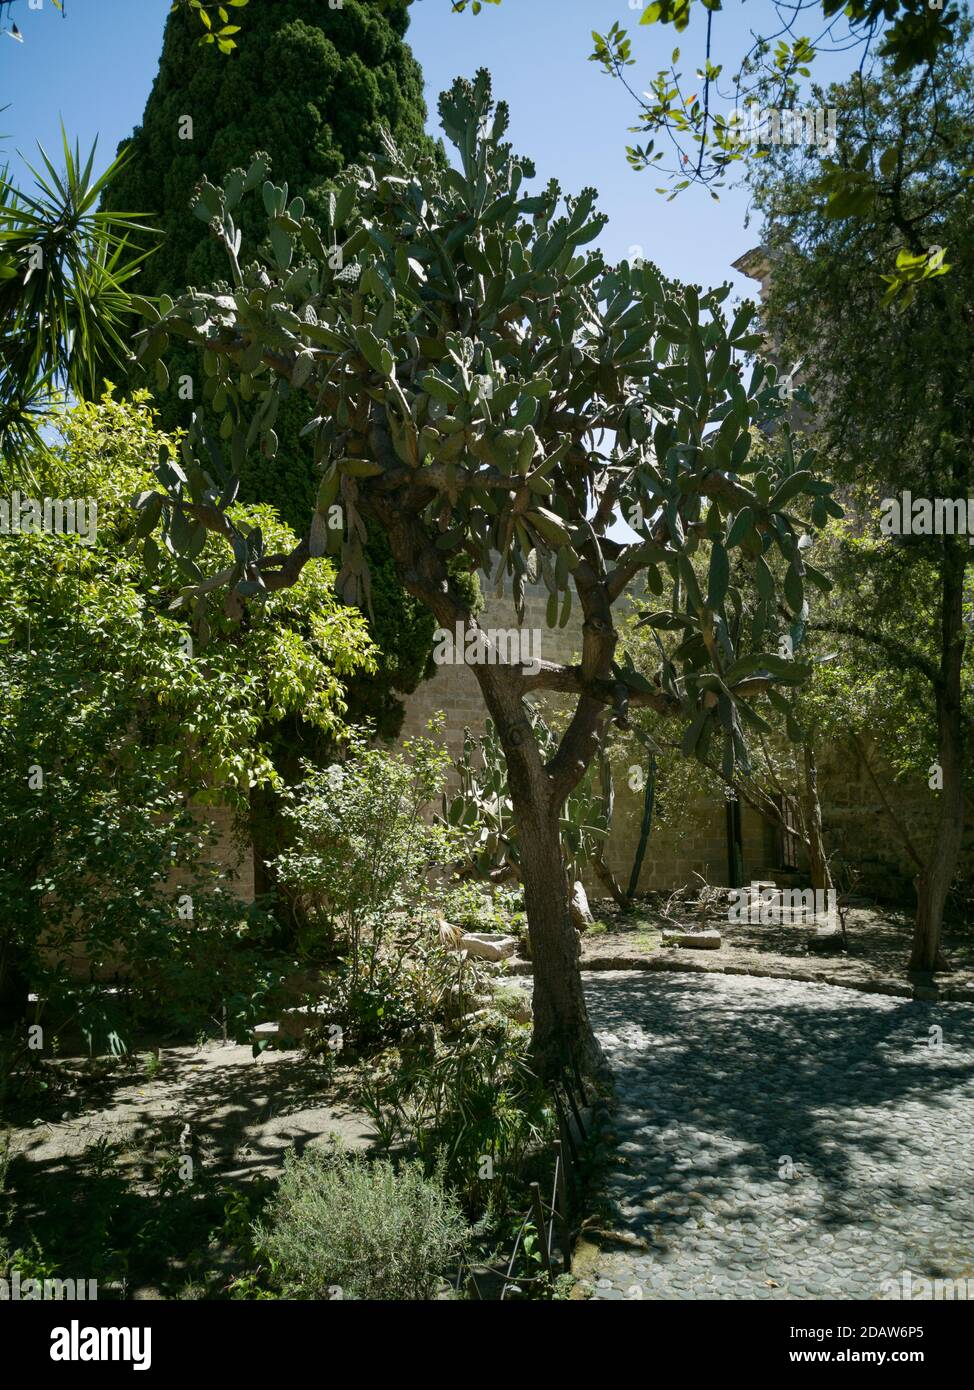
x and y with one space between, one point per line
108 1194
764 1077
229 1101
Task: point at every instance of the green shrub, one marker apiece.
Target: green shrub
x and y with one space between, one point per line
472 1105
362 845
475 906
344 1227
417 981
121 720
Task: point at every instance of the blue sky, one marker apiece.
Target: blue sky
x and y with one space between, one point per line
95 67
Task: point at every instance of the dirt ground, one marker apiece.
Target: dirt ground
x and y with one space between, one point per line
117 1131
238 1115
876 960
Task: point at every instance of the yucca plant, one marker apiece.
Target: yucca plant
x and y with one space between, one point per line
64 265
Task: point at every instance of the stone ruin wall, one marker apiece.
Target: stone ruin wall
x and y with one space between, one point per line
693 840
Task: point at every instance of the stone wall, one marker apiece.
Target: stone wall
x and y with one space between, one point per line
858 829
692 842
694 838
454 689
237 858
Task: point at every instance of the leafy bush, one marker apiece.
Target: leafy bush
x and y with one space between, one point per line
477 907
342 1226
361 870
473 1105
362 846
417 981
121 717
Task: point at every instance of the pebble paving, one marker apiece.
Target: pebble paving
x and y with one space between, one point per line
777 1139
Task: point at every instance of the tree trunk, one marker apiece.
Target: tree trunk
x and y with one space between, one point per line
821 875
270 832
935 878
645 826
14 985
562 1039
926 955
608 880
563 1036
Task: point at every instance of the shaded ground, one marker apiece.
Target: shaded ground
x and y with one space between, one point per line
242 1114
879 947
719 1076
105 1191
778 1139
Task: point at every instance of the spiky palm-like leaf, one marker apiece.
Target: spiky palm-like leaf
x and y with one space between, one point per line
64 266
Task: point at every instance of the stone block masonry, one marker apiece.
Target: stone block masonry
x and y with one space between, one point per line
693 842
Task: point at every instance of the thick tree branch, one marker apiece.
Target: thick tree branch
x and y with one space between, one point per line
279 571
568 680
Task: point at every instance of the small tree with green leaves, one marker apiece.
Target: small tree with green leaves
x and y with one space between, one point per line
119 724
362 843
897 415
469 364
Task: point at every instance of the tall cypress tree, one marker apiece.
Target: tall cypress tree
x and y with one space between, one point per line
312 86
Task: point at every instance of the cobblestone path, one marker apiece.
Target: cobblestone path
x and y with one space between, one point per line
780 1139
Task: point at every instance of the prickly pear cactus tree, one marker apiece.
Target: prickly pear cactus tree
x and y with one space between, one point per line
486 387
481 803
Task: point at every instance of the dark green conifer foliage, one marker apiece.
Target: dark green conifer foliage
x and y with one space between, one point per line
312 86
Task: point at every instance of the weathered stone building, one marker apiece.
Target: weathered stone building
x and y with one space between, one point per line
696 837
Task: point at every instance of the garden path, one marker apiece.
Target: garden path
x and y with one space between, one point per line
782 1139
242 1113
